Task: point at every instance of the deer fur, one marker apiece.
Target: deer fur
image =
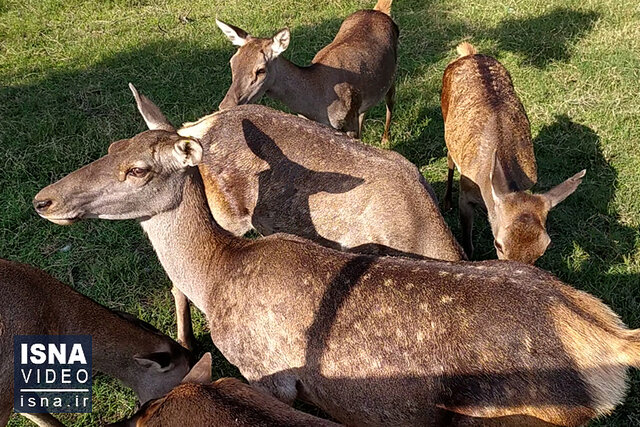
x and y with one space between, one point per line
370 340
274 172
123 347
225 402
346 78
489 141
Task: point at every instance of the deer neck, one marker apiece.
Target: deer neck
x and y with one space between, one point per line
189 243
294 87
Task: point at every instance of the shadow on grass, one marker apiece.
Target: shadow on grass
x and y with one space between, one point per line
583 230
546 38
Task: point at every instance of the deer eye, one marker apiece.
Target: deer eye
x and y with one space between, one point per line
137 172
260 71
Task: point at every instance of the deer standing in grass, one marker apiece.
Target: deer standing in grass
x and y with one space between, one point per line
227 402
370 340
273 172
489 141
123 347
345 79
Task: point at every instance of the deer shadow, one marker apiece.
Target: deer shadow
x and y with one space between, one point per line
285 187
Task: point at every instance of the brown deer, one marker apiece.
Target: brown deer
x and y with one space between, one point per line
274 172
226 402
489 141
370 340
346 78
123 347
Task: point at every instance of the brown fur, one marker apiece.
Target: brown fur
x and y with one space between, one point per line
117 338
226 402
346 78
370 340
275 172
489 141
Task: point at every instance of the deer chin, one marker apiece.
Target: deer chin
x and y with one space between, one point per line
62 221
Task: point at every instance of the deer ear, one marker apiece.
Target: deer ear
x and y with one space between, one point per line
201 371
188 152
498 180
236 35
280 42
564 190
150 112
159 361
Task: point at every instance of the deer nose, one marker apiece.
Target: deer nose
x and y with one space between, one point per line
41 206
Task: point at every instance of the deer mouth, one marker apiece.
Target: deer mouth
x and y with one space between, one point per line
62 221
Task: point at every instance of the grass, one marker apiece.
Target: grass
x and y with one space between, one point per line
65 65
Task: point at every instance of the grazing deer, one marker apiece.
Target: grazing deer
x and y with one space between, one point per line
370 340
346 78
489 141
274 172
122 346
226 402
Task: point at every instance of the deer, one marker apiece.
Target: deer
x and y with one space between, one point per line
123 346
488 139
272 172
370 340
345 79
225 402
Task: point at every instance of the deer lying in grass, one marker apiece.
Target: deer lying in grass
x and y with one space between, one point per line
346 78
226 402
489 141
123 346
370 340
274 172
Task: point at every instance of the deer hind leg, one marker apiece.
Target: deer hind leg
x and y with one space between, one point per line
389 100
183 319
465 206
360 121
448 195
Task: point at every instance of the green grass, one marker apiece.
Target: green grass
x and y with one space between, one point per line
65 65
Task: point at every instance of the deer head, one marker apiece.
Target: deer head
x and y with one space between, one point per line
519 225
252 66
135 180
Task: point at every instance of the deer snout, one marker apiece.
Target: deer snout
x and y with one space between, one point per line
48 206
229 101
42 205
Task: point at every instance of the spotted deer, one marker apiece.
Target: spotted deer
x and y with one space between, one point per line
274 172
370 340
345 79
227 402
122 346
489 141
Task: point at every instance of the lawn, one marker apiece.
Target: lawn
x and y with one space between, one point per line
65 65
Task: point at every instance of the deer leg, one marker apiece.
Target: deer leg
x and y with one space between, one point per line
465 206
183 319
389 100
448 195
43 420
360 121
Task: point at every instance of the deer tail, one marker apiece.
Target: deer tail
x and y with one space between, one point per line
465 49
383 6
